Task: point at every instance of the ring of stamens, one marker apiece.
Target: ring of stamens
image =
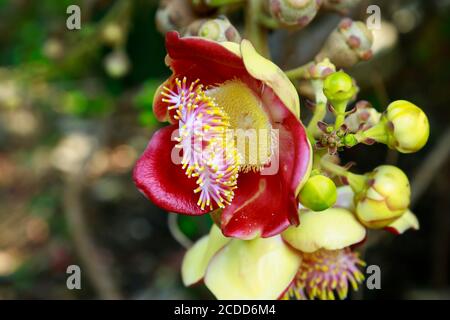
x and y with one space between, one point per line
326 272
209 154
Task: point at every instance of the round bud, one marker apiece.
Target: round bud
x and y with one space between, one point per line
318 194
219 29
117 64
348 44
385 197
364 117
112 34
293 13
321 69
339 87
407 126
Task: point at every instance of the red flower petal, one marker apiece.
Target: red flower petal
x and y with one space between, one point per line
161 180
197 58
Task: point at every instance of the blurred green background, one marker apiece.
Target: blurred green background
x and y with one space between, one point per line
76 112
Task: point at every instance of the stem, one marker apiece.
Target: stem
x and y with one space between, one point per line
357 182
321 107
300 72
220 3
377 133
340 114
179 236
268 22
254 31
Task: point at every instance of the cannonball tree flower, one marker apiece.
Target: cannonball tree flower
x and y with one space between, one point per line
216 88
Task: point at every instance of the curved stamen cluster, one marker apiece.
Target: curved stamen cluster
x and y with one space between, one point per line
325 272
209 153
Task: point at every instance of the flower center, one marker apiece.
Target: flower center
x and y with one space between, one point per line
324 272
209 153
251 126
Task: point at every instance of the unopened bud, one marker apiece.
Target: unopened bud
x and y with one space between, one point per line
403 127
117 64
321 69
383 198
408 127
338 87
318 193
219 29
293 13
348 44
112 34
364 117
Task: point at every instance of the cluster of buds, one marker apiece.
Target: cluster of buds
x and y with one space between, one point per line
348 44
293 13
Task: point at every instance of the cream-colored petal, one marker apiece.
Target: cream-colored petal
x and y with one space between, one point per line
197 258
255 269
331 229
232 46
407 221
269 73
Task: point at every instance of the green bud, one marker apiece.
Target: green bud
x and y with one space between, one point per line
350 140
338 87
318 194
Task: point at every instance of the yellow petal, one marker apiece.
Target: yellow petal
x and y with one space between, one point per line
232 46
407 221
331 229
253 269
197 258
269 73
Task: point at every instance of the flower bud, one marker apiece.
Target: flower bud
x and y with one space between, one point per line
363 118
318 193
174 15
341 6
117 64
403 127
338 87
293 13
348 44
408 127
321 69
112 34
384 197
219 29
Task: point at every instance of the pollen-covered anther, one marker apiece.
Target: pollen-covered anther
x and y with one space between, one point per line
209 155
325 273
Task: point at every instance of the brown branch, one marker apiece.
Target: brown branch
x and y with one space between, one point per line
97 270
